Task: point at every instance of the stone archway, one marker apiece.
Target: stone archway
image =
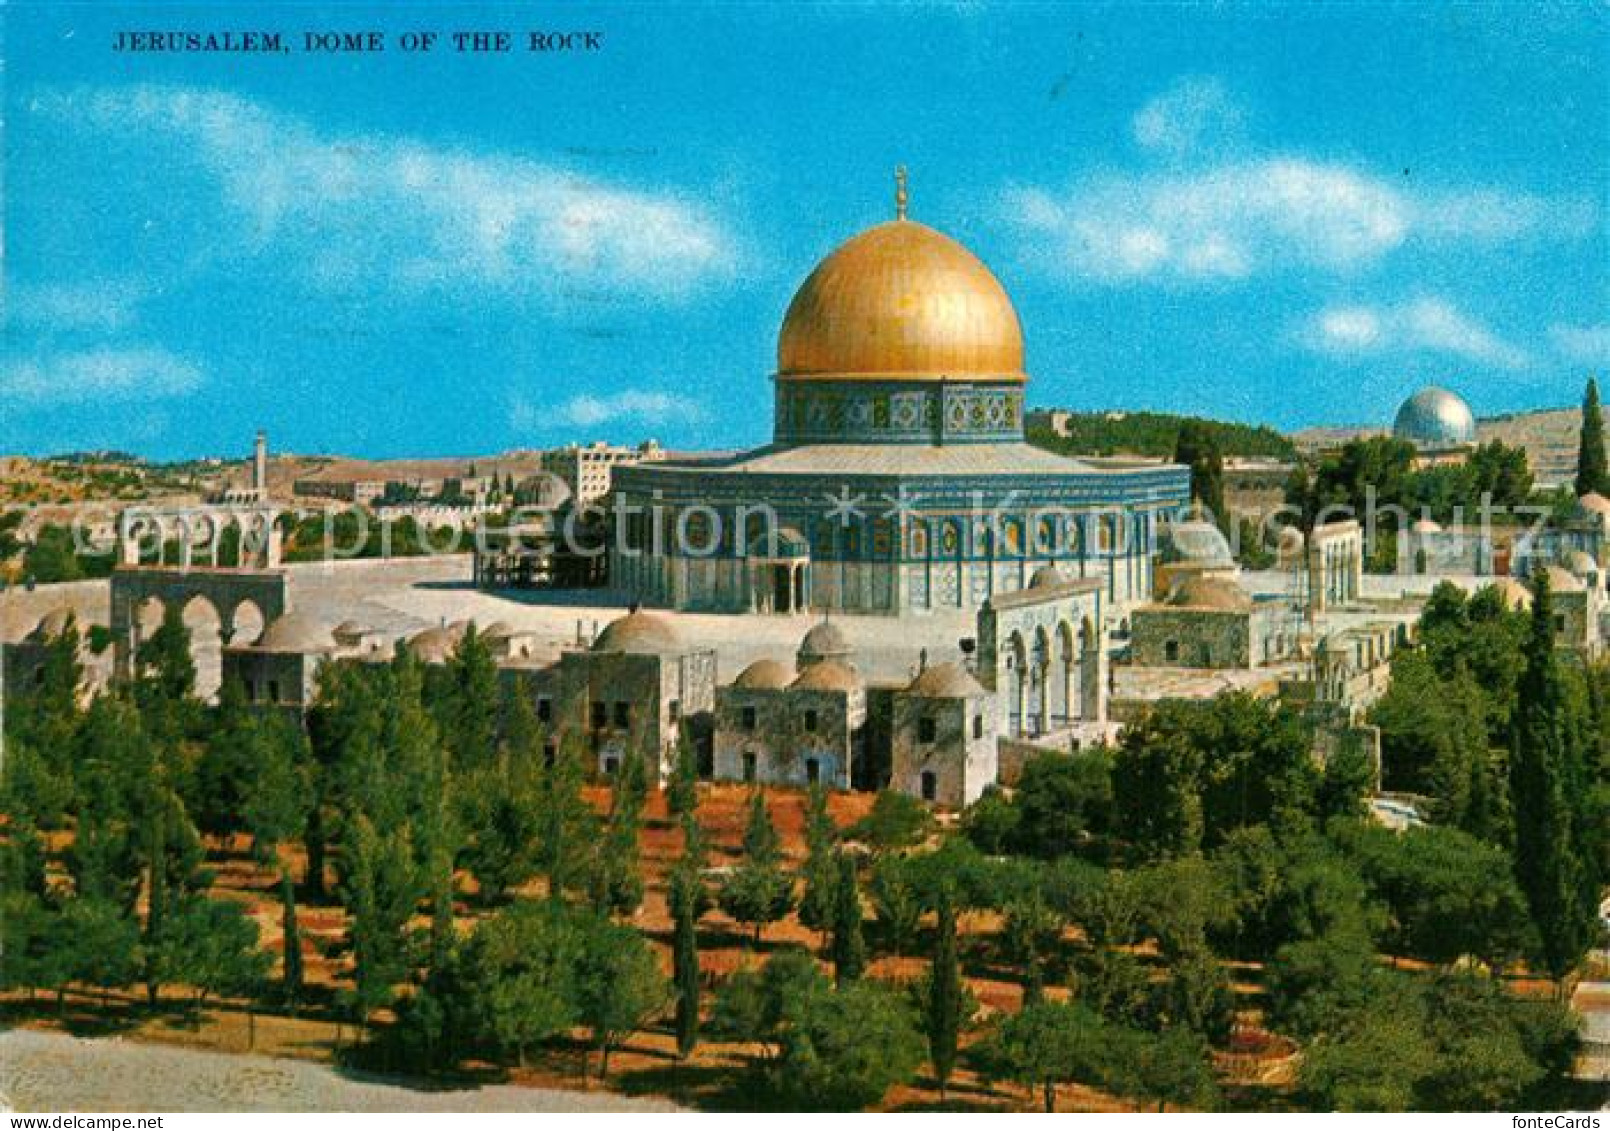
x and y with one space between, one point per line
208 635
1065 673
1017 662
1092 674
246 624
135 590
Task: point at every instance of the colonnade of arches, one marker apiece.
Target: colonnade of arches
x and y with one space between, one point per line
1054 678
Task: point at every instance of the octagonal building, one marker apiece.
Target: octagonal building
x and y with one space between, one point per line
898 479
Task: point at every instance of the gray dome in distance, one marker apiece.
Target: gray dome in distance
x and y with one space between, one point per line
1435 417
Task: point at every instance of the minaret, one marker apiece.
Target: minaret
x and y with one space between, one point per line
260 465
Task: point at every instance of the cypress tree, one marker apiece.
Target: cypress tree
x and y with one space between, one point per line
685 959
1198 448
1547 865
821 868
849 948
944 1004
682 797
1592 468
291 980
156 900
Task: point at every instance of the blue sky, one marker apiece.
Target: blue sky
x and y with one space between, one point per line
1285 214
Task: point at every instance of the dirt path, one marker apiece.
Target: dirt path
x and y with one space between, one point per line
53 1072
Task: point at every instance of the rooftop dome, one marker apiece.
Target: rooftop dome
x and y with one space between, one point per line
295 632
901 302
638 632
1581 563
350 627
1434 417
764 675
1217 593
823 642
828 675
1198 541
1047 577
434 645
497 630
945 681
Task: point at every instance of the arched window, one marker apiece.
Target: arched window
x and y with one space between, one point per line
919 540
1012 535
1045 543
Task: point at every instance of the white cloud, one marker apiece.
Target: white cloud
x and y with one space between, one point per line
352 210
644 406
1422 325
1584 345
98 306
1225 222
1215 211
97 375
1185 115
630 404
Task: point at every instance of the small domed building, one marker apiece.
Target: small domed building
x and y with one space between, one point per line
945 737
1211 622
639 689
774 727
898 479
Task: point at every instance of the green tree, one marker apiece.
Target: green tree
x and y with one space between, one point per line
1062 803
682 796
1447 894
1547 865
685 959
821 1048
1592 469
381 889
467 709
211 945
821 870
1047 1044
502 807
849 948
947 1006
166 673
895 821
1197 447
896 902
758 891
568 825
99 945
291 948
1030 939
619 987
1172 1067
617 877
519 969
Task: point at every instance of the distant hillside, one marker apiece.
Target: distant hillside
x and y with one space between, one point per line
1549 436
1146 434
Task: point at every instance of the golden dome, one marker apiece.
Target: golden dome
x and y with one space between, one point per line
901 302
